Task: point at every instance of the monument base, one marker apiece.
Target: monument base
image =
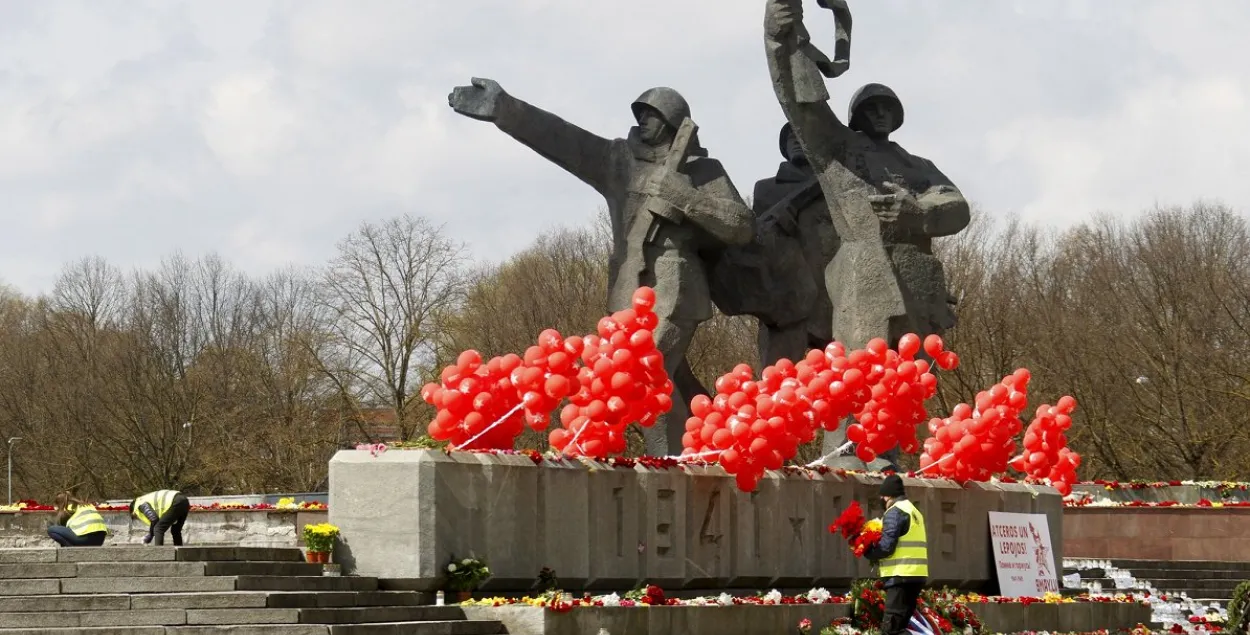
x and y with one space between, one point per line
406 513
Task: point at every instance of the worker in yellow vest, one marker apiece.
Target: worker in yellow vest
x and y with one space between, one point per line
902 555
78 524
162 510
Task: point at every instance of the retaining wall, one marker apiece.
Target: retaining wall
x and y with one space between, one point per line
405 514
1157 533
263 528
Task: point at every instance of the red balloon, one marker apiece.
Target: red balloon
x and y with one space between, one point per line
644 299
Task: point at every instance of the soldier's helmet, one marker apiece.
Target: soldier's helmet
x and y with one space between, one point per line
875 91
669 103
783 140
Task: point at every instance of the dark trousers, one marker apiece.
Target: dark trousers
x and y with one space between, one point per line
900 604
172 521
66 538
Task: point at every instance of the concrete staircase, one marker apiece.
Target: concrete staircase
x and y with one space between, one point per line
1201 588
207 591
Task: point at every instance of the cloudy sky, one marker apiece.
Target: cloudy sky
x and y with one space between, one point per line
266 130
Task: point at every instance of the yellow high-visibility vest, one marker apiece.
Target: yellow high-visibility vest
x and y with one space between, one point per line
911 555
160 501
86 520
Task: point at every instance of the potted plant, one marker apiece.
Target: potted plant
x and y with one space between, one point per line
319 538
465 575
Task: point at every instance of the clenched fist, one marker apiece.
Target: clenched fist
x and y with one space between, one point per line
781 15
479 101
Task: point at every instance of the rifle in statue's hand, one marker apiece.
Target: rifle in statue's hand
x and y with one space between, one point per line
656 211
784 214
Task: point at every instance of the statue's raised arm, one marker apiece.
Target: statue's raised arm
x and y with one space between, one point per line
798 71
583 154
669 203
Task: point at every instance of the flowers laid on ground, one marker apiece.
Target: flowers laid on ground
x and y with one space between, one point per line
285 504
951 606
1088 500
466 574
1222 486
860 534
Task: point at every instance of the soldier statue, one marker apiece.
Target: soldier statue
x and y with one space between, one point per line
886 205
668 203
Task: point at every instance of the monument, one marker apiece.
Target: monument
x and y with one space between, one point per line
668 202
886 205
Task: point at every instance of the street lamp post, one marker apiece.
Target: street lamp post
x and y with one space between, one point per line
10 479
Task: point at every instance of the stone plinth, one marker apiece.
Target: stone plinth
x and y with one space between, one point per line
263 528
1157 533
405 514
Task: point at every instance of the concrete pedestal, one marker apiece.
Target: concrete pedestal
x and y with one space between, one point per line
405 514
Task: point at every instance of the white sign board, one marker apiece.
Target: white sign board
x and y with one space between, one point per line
1022 554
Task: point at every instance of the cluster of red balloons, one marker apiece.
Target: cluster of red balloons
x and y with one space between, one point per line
973 445
622 381
757 425
900 386
1046 454
478 404
612 379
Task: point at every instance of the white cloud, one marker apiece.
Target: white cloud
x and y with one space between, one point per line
265 130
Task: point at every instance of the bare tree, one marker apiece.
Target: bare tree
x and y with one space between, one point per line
388 286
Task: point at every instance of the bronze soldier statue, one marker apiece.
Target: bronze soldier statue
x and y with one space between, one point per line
780 277
667 200
885 204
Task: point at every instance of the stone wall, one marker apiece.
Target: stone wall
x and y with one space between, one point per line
1186 494
1157 533
405 514
236 528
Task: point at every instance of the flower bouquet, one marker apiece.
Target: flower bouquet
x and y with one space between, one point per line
465 575
860 534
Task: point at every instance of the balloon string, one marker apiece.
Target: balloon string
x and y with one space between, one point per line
573 442
694 456
492 426
935 463
844 447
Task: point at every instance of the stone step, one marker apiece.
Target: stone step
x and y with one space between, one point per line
1205 565
228 617
463 627
201 584
1192 585
149 554
222 600
1187 574
347 615
290 583
30 571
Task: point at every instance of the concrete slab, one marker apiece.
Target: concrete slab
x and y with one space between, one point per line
223 600
116 554
23 556
147 585
65 603
29 587
139 569
37 570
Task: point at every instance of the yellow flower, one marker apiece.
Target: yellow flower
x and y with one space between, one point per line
873 525
286 503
